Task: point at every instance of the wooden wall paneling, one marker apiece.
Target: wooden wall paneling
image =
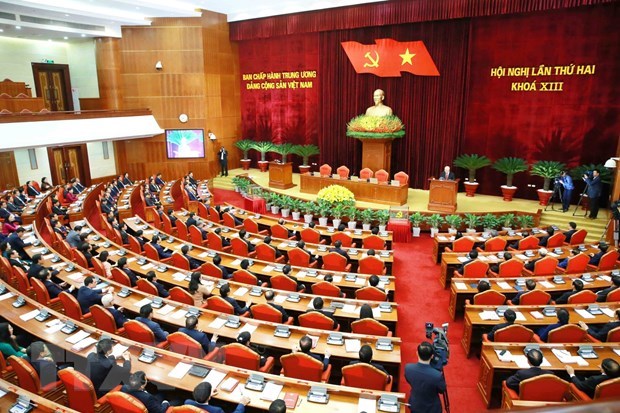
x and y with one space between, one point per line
108 58
8 171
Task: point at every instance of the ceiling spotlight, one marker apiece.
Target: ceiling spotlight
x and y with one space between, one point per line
83 35
18 27
66 38
66 15
49 40
1 30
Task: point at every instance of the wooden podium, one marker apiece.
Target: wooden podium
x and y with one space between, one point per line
377 153
442 195
281 175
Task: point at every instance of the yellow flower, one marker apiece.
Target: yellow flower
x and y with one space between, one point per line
335 193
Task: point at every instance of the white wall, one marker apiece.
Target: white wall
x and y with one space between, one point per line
100 167
25 173
83 68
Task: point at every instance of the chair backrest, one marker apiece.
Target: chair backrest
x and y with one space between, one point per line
79 258
568 333
371 265
265 312
40 291
265 252
546 387
98 267
210 269
370 293
578 237
463 244
151 252
302 366
134 244
250 226
117 237
511 268
373 241
327 289
343 172
325 170
279 231
284 283
146 286
608 389
489 297
495 244
120 277
179 261
245 277
202 211
166 224
582 297
366 173
545 266
402 177
195 235
577 264
71 306
515 333
556 240
239 247
182 230
475 269
81 394
238 355
310 235
183 344
314 319
535 297
139 332
608 261
343 237
185 408
364 376
213 215
298 257
613 296
334 262
125 403
180 295
382 175
529 242
104 320
229 220
27 376
6 269
369 326
218 304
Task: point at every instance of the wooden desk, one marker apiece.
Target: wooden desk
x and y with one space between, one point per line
39 206
42 405
493 371
442 195
363 191
130 201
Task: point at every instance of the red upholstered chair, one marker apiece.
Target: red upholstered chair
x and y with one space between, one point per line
195 236
80 259
607 262
203 212
267 312
556 240
280 231
326 289
183 344
210 269
570 333
613 335
494 244
6 270
515 333
245 277
582 297
374 242
251 226
576 264
365 376
613 296
238 355
104 320
167 225
6 371
535 297
134 245
605 390
120 277
304 367
73 309
186 408
370 326
23 282
180 295
544 266
300 258
214 216
266 252
118 238
139 332
346 239
402 177
81 394
335 262
42 295
325 170
370 294
152 254
215 242
178 260
489 297
343 172
182 230
147 287
311 235
28 379
366 173
229 221
240 248
124 403
463 244
544 388
382 176
474 269
527 243
578 237
222 306
371 265
284 283
314 319
511 268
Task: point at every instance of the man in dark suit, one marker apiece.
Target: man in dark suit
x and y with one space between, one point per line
53 289
495 267
338 249
193 263
593 191
87 294
126 180
610 369
161 251
217 261
601 296
16 261
192 180
173 218
73 236
122 265
267 240
201 337
563 318
107 301
31 190
202 394
222 155
530 285
58 209
535 358
542 253
543 241
595 259
16 243
191 220
317 305
471 256
302 246
159 180
600 333
510 316
426 382
146 317
161 290
365 356
18 200
224 291
577 287
136 388
225 241
242 236
446 174
305 345
102 369
568 234
269 299
12 206
36 268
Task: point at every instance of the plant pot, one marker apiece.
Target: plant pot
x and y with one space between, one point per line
471 188
382 228
275 209
336 222
544 197
366 227
285 213
263 165
452 231
323 221
416 231
304 169
508 192
506 228
352 224
308 218
236 189
470 230
296 215
434 231
245 164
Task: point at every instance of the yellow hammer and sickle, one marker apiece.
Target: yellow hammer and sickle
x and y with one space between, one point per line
374 62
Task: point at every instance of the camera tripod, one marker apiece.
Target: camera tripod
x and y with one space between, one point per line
446 399
557 194
579 202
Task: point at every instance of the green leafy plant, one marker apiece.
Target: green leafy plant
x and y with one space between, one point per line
454 221
306 151
435 220
472 163
472 220
525 221
417 219
351 212
242 183
284 149
489 221
547 170
308 207
286 202
510 166
507 220
605 173
245 145
323 208
382 216
367 216
338 211
365 126
263 147
296 204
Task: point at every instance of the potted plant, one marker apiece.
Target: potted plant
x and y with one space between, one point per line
547 170
382 216
337 213
306 151
525 221
296 205
454 221
237 183
416 220
472 221
489 222
263 147
435 222
308 208
323 208
507 221
509 166
286 204
245 145
472 163
276 199
352 213
367 216
284 149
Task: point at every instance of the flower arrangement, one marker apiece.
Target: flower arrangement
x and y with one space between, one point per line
364 126
336 194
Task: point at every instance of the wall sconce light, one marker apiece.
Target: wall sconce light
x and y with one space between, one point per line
611 163
158 65
211 136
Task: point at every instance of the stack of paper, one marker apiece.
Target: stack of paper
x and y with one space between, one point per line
504 355
350 308
54 326
217 323
504 285
368 405
179 314
29 315
546 284
180 370
147 266
537 315
279 299
520 316
142 302
118 350
268 268
82 344
250 328
241 291
235 262
460 285
80 335
352 345
583 313
215 377
489 315
271 391
462 259
165 310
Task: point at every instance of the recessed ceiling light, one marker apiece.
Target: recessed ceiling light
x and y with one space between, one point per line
18 27
66 38
83 35
66 15
49 40
137 8
1 30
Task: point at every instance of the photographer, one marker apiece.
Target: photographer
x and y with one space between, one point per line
593 191
426 382
567 183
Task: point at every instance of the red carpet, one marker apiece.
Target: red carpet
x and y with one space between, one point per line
421 298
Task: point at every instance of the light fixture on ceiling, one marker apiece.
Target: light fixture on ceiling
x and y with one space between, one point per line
18 27
158 65
66 38
83 35
1 30
611 163
211 136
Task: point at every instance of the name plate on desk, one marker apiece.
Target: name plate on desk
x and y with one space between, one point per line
373 180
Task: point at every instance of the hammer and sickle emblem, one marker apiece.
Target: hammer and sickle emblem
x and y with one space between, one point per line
374 62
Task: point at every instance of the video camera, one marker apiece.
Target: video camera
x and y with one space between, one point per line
440 344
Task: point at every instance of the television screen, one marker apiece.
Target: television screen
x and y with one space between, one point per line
185 143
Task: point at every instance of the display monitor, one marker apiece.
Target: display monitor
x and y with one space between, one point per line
185 143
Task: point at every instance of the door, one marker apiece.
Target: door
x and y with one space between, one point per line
8 171
68 162
53 84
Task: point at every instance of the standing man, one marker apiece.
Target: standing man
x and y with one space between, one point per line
593 192
223 157
567 183
426 382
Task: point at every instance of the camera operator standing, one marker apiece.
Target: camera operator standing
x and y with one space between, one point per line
593 191
426 382
567 183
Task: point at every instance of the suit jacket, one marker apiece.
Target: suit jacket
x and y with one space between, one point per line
375 365
568 234
47 370
127 181
5 213
225 274
160 334
543 241
124 236
161 251
594 187
59 210
238 309
32 191
88 297
563 299
341 252
133 278
596 259
18 245
213 409
543 333
18 263
191 221
322 359
491 334
13 208
52 289
513 381
119 317
151 402
20 202
601 332
281 310
200 337
153 188
73 238
449 177
105 373
160 181
161 290
426 383
589 384
35 269
222 155
601 296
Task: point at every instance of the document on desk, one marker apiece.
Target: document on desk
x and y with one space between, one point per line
337 278
250 328
460 285
504 285
352 345
605 278
147 266
366 404
521 361
2 393
54 327
442 238
79 336
482 258
506 357
537 315
142 302
488 315
376 312
522 257
180 370
235 262
29 315
268 268
350 308
520 316
360 281
215 377
271 391
279 299
75 277
546 284
217 323
118 350
179 314
462 259
241 291
6 295
178 276
607 311
82 344
165 310
203 254
584 313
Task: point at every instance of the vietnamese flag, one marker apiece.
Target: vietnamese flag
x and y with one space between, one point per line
387 58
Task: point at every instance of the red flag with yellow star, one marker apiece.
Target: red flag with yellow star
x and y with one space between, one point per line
387 58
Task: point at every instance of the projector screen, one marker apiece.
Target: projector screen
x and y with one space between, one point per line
185 143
